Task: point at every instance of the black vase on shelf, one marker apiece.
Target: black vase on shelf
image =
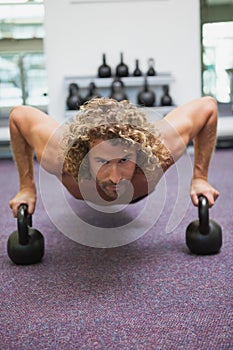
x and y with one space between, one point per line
74 100
146 97
122 69
104 71
117 90
92 92
137 71
151 70
166 99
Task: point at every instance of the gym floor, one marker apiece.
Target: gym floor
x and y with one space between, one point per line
149 294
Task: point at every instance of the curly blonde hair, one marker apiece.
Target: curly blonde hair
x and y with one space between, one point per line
118 122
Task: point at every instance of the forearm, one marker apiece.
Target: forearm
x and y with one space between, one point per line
196 121
23 152
204 143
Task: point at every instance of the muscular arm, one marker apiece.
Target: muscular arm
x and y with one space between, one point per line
197 121
30 130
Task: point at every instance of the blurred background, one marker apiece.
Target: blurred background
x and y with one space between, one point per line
44 43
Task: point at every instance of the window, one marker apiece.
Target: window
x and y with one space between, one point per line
23 80
23 77
21 19
218 60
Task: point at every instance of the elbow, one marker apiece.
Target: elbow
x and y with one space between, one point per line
210 111
15 112
211 100
211 105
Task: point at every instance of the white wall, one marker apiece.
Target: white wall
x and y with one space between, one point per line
78 34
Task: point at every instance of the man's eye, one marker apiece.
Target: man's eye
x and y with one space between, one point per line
102 161
124 160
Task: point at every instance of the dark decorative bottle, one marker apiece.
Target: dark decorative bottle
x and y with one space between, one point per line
137 72
151 70
117 90
122 69
92 92
146 97
104 71
166 99
74 100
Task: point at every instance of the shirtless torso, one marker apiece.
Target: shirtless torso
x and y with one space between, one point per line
34 131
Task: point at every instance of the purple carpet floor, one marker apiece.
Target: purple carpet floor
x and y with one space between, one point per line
150 294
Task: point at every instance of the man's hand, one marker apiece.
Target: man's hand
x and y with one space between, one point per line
27 196
202 187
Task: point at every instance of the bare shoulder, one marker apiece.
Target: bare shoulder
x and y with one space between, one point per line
43 133
49 150
190 114
32 115
179 126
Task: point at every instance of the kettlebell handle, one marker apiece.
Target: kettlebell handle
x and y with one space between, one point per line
24 220
203 213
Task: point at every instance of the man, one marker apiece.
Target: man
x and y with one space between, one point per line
110 153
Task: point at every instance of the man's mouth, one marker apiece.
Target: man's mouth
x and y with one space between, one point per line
116 189
112 187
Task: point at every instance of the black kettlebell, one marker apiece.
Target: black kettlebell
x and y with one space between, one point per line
92 92
122 69
151 70
104 71
74 100
146 97
166 99
204 236
137 71
26 245
117 90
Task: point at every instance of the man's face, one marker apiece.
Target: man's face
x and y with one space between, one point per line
112 166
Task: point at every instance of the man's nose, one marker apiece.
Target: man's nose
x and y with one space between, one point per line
115 174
